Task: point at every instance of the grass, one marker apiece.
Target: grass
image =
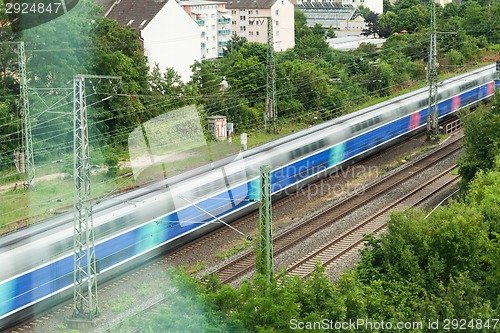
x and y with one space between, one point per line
405 158
122 303
49 198
145 290
234 247
61 327
193 269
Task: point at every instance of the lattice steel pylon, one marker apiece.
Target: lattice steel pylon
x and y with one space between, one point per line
271 107
84 274
85 302
264 257
432 80
29 164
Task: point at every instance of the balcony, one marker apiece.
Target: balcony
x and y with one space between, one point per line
224 32
200 22
224 20
203 34
223 42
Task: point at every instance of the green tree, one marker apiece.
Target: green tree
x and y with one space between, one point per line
387 6
300 24
372 24
318 29
481 143
310 83
247 76
330 33
413 18
234 44
56 51
386 23
9 90
206 77
312 47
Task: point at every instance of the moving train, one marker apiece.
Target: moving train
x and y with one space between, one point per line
37 263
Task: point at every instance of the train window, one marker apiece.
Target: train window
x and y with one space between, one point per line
316 145
468 85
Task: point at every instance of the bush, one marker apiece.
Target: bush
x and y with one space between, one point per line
456 58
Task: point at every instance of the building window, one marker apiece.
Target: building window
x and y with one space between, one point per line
233 22
250 33
277 22
242 18
213 27
233 12
213 38
243 28
277 33
276 12
250 12
256 12
257 33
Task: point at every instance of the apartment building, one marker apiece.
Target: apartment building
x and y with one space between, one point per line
214 21
250 20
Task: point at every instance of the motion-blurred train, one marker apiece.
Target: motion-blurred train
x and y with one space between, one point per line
37 263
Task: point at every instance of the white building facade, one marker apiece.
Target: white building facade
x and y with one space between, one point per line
214 21
171 38
249 20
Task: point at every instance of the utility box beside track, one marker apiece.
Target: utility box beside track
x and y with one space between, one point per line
217 126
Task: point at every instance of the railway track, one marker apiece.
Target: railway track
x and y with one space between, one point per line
284 241
353 239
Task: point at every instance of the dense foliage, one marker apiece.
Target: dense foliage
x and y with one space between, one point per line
482 141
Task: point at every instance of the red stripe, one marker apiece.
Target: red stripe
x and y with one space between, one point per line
414 120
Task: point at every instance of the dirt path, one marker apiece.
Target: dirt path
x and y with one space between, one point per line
11 186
